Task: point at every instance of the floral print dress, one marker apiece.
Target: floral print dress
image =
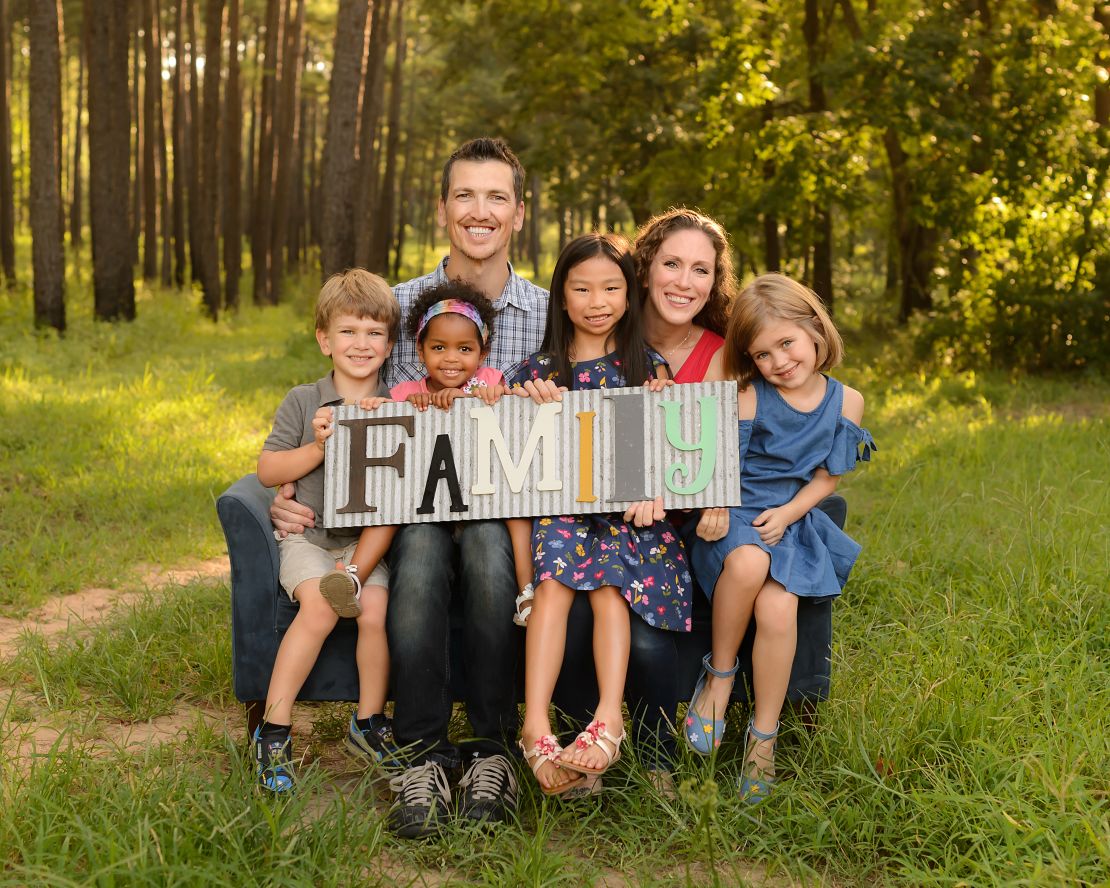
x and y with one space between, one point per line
583 552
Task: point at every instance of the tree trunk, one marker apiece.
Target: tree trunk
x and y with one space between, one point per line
818 104
264 182
916 241
210 166
78 133
772 255
7 180
338 167
373 97
193 124
233 165
534 226
136 115
180 147
406 184
379 257
44 82
287 122
165 215
107 33
152 86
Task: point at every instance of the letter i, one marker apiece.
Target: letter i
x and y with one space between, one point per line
586 457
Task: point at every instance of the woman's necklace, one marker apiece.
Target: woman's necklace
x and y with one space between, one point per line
685 339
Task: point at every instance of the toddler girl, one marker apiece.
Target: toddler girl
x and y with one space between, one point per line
799 431
593 340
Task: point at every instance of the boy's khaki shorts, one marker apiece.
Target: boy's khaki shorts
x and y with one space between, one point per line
301 560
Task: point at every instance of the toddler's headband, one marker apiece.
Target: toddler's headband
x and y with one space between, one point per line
453 306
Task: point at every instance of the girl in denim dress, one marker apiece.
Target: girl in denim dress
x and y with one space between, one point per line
799 431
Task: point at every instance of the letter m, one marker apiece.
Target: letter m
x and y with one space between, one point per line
489 437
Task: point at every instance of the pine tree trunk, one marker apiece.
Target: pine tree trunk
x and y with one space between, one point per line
338 166
373 97
264 181
47 252
107 34
534 226
818 104
210 166
382 231
165 214
284 142
196 222
406 184
180 148
152 85
7 180
78 134
136 115
233 164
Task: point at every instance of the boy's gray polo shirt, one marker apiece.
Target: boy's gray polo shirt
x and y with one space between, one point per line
293 429
517 333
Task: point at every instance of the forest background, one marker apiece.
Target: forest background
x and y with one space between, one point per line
940 167
936 170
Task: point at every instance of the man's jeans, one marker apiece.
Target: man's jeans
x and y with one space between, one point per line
429 563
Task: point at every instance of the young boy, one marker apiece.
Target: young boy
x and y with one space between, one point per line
357 320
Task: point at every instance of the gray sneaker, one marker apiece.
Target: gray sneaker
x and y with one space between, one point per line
422 801
489 790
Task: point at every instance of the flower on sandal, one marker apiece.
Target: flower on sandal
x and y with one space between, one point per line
546 745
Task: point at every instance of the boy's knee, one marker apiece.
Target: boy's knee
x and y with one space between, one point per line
314 612
374 601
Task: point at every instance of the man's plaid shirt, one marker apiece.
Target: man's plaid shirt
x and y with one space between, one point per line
517 332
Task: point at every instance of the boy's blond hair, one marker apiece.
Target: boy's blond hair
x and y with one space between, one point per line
362 294
776 297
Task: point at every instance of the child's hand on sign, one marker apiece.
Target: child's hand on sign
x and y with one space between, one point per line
657 385
645 513
322 425
542 391
490 394
420 400
372 403
444 398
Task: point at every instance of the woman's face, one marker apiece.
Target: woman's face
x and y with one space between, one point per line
681 277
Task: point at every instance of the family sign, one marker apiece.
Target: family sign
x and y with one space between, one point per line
593 451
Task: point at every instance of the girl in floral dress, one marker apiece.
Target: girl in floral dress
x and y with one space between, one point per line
593 341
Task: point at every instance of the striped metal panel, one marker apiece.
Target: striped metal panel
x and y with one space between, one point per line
397 498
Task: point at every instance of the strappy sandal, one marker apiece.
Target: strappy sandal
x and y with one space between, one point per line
704 734
547 749
596 735
754 790
524 605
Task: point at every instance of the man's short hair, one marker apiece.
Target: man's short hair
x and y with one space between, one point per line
362 294
482 150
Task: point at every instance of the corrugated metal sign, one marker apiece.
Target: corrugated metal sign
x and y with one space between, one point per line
594 451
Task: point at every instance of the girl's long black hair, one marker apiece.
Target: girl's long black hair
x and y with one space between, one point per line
628 338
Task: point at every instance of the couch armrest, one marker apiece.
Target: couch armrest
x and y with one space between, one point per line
243 510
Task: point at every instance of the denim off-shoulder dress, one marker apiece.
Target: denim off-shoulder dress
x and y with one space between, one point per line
780 449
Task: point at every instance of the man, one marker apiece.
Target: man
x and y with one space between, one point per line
481 205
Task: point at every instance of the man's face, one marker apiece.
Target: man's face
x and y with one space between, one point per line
481 212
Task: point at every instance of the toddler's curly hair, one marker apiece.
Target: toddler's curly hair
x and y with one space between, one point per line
454 289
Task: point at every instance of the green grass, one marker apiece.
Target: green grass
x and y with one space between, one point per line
967 741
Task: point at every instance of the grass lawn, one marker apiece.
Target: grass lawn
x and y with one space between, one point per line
967 741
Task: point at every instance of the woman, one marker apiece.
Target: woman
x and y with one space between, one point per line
685 270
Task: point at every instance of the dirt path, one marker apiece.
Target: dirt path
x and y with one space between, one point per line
89 606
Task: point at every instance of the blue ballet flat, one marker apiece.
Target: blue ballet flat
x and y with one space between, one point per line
704 734
754 790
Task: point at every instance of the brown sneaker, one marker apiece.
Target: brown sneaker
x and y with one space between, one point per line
341 589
